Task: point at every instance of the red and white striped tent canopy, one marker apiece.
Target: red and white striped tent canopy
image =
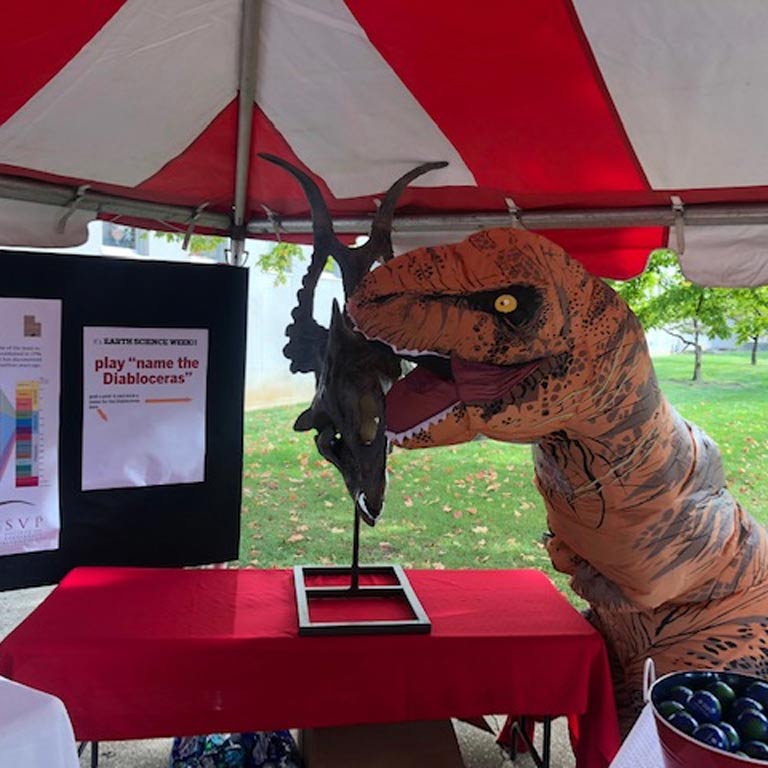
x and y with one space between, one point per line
612 127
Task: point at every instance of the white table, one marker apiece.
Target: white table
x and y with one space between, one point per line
35 731
641 748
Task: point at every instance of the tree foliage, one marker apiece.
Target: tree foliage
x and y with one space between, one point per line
279 259
662 297
201 244
749 315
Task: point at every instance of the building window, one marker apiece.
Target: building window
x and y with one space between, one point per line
116 234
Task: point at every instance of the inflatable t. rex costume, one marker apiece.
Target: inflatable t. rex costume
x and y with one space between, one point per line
518 342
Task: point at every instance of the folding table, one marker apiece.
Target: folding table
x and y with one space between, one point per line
141 653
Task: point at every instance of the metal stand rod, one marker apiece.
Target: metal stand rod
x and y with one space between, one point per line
354 582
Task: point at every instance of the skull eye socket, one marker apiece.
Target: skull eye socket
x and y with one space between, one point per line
369 418
505 303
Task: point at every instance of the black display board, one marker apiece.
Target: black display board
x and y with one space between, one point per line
169 525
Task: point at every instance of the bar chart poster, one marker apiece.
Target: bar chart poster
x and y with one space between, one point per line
30 380
144 405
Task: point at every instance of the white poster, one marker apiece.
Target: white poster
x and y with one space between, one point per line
144 393
30 372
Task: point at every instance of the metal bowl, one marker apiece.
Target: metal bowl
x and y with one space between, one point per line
680 750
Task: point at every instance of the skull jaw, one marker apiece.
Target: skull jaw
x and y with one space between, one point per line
368 512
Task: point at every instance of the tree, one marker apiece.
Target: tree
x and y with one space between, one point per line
278 259
662 297
749 313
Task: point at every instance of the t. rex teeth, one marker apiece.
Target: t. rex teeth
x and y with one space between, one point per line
398 437
396 350
416 352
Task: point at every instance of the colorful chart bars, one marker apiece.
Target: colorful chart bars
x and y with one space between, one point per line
7 431
27 433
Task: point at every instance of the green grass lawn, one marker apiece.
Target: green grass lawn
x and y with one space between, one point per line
469 506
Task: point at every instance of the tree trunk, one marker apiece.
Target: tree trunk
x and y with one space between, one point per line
697 363
697 352
754 350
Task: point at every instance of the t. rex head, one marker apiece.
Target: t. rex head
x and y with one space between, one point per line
508 331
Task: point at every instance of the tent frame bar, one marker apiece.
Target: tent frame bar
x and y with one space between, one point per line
709 214
15 188
587 218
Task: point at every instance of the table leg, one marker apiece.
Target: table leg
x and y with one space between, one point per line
519 730
546 743
94 751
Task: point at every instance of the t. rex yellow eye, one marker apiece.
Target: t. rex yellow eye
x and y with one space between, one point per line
505 303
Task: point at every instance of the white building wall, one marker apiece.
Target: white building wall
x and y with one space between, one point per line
268 380
662 343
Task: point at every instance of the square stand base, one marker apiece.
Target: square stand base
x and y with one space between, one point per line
398 588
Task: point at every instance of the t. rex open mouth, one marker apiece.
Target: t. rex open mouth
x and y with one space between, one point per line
439 385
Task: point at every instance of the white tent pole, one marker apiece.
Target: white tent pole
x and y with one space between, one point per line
247 93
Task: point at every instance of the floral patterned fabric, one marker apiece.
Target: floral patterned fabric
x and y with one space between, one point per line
261 749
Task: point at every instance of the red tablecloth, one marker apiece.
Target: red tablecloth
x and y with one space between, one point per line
139 653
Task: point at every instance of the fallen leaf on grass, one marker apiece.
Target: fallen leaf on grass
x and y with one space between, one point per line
295 537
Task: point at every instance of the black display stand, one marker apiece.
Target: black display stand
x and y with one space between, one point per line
398 589
151 526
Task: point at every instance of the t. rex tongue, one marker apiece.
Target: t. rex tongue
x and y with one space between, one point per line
417 398
422 395
481 383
